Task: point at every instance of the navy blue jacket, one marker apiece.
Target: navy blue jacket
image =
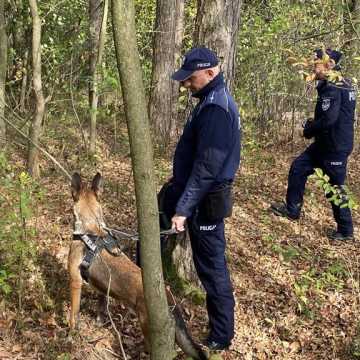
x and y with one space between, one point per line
333 125
208 152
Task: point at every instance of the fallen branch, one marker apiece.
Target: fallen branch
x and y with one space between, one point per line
39 148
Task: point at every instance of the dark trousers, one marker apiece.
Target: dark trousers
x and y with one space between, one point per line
208 246
334 165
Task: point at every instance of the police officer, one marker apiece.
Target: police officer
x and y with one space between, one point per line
206 159
333 130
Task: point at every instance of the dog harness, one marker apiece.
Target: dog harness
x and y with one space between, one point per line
94 245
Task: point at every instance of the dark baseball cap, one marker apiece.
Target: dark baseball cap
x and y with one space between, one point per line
333 54
196 59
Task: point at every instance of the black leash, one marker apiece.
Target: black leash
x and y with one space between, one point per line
135 237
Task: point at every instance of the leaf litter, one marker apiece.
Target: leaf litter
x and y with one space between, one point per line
297 293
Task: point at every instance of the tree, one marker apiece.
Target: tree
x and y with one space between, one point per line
160 324
217 27
36 125
168 31
179 35
3 66
97 44
351 34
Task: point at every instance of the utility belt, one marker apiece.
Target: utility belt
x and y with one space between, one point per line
217 204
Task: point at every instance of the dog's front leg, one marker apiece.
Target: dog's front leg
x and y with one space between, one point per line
75 295
74 261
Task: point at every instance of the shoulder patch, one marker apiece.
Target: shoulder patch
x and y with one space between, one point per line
352 95
217 97
325 105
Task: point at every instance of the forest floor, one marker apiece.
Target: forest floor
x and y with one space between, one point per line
297 293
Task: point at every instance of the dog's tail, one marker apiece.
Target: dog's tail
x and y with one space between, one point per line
184 339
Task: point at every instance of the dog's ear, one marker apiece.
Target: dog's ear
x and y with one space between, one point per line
97 184
76 186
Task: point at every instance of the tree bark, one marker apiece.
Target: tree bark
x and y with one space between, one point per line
166 49
3 67
36 125
97 45
179 35
24 82
217 24
160 324
351 16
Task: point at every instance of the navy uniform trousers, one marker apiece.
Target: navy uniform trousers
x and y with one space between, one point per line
334 165
208 246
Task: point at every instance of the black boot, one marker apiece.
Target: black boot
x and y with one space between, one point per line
215 346
280 209
335 235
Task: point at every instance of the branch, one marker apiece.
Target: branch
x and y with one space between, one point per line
108 311
39 148
350 20
73 106
312 36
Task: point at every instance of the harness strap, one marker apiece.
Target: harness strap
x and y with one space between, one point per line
94 245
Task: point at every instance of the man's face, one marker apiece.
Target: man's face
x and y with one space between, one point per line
197 80
320 70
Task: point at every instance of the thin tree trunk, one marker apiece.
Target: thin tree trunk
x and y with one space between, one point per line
35 129
24 82
179 35
163 100
98 38
160 323
3 67
217 24
351 16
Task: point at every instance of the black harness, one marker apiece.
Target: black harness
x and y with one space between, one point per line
94 245
110 242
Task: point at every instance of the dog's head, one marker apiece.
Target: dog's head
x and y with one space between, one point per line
87 209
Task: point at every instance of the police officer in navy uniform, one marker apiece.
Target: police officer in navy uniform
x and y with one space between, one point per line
333 131
206 159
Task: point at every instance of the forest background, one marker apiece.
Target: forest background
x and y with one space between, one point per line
297 294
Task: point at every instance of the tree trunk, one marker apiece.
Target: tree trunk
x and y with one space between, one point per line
3 67
351 16
160 324
97 44
35 129
24 82
179 35
167 43
217 24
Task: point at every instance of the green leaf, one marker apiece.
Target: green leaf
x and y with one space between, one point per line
319 172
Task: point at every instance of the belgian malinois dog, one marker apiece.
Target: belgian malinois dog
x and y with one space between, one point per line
126 281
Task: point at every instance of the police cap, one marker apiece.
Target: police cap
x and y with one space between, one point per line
196 59
333 54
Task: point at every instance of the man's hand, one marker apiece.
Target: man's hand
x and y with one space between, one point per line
306 122
178 223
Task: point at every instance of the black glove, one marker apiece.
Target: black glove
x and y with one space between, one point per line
307 128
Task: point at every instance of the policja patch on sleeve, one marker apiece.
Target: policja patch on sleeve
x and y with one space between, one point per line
325 105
